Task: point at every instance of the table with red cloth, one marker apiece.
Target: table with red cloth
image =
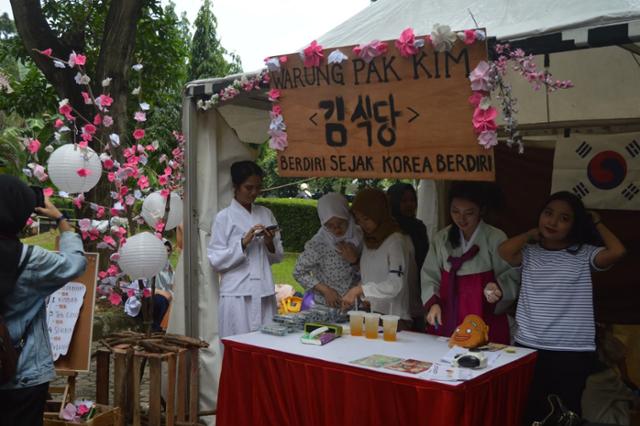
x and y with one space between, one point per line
273 380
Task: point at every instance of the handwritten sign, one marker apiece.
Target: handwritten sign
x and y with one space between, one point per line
393 117
63 310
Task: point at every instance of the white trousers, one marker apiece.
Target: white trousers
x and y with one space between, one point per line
244 314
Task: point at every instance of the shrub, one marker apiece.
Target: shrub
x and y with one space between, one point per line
298 220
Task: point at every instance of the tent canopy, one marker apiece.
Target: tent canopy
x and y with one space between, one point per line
574 22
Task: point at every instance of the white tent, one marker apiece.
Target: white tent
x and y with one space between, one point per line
588 41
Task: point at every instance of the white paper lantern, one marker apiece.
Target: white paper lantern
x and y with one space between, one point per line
153 210
142 256
64 164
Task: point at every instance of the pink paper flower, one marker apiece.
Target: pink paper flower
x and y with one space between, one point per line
406 43
480 77
84 144
131 292
278 140
367 52
33 145
104 100
165 193
283 59
488 139
276 109
138 134
100 212
46 52
274 95
484 119
65 109
97 120
115 298
107 163
76 59
107 121
58 123
87 98
82 172
476 98
140 116
143 182
163 180
78 203
89 128
48 192
39 173
146 292
313 55
469 36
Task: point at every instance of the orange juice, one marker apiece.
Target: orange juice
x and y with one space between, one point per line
389 327
371 326
355 324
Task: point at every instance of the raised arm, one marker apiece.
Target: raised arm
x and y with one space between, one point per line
613 251
511 249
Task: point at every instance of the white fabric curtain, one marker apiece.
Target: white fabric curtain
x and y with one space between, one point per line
216 147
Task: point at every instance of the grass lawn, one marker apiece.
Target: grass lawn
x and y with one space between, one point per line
282 272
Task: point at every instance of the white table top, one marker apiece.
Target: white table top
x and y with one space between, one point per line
420 346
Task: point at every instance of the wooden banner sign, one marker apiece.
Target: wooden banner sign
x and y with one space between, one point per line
400 117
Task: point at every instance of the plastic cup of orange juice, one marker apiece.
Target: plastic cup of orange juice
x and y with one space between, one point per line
355 322
389 327
371 322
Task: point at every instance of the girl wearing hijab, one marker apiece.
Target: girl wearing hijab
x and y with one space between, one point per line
28 275
387 264
463 273
244 243
325 266
404 203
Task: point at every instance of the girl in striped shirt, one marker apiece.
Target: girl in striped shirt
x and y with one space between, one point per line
555 308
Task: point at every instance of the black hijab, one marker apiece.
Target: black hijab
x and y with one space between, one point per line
410 225
17 202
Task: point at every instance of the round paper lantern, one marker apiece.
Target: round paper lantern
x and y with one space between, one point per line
153 210
142 256
73 169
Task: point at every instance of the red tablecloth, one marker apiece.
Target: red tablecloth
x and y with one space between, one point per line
262 386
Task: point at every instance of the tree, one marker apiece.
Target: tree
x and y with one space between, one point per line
207 53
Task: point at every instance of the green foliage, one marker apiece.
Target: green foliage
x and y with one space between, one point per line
298 220
268 160
283 271
207 54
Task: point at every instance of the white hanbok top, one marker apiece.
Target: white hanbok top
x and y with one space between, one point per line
386 276
243 272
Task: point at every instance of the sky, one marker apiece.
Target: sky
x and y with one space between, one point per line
256 29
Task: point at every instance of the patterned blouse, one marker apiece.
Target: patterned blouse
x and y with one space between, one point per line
321 263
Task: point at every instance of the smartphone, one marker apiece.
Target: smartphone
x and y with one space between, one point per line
39 195
272 228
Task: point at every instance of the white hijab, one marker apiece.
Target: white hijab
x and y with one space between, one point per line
335 205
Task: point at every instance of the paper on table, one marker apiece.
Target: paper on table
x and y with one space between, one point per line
447 373
450 356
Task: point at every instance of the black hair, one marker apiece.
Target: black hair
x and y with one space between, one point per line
583 231
243 170
479 193
395 193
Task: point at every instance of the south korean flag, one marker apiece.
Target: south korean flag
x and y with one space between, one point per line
603 170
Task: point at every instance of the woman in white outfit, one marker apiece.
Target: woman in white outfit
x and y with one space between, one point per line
243 246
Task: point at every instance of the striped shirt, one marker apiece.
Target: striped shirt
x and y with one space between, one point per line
555 308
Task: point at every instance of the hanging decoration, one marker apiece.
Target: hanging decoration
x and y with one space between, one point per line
153 210
74 169
142 256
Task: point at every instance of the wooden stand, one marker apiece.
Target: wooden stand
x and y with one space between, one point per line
182 377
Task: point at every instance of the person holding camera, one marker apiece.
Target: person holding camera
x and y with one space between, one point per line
28 275
244 243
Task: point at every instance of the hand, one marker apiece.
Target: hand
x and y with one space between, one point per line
268 235
348 251
349 298
595 216
434 317
331 296
492 292
251 234
49 210
534 235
